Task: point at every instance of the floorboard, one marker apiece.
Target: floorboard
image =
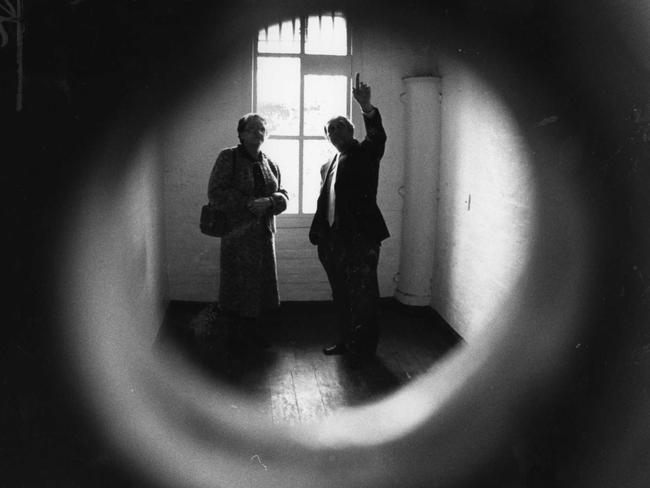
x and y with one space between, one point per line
293 381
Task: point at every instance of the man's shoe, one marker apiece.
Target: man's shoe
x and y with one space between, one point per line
335 349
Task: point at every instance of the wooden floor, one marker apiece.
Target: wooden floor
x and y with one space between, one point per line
293 381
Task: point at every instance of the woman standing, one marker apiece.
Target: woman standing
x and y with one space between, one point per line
245 184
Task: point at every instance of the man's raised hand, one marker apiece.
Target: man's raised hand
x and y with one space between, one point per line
361 93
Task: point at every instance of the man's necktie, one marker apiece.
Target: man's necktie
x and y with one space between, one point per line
331 193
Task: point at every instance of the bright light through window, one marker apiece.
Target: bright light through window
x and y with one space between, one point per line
278 94
285 152
326 34
325 97
302 79
316 152
280 38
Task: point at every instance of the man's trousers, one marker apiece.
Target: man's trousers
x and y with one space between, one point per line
351 267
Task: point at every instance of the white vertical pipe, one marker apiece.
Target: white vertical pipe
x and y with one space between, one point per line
421 167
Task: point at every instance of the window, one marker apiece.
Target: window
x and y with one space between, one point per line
302 79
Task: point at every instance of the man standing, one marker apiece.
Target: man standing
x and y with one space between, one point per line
348 226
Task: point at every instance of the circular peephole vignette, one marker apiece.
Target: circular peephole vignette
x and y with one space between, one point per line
189 432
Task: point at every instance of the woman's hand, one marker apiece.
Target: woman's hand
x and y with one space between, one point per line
259 206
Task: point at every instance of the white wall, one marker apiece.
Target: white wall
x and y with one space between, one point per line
116 247
143 221
487 196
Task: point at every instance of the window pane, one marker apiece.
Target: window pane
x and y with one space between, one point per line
316 153
280 38
285 154
325 97
326 34
278 93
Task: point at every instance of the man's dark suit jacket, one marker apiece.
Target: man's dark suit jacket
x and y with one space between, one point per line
356 211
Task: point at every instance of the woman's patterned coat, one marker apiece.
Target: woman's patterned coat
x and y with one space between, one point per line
248 277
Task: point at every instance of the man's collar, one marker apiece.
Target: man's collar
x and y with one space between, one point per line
353 143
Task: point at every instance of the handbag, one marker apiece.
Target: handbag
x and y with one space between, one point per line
214 222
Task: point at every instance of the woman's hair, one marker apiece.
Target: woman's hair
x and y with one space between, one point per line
340 120
241 125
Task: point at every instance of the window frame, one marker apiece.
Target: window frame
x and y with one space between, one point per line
310 64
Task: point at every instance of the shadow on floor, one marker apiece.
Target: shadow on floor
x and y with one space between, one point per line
294 368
